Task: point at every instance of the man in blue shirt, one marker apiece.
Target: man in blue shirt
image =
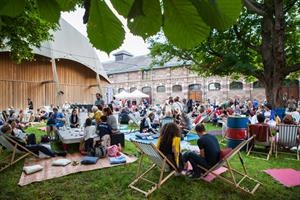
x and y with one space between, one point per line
209 153
55 121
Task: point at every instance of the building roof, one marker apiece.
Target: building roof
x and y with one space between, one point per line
68 43
137 63
122 52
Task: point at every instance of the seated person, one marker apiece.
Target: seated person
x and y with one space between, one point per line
167 119
209 153
55 121
169 143
97 113
7 130
104 131
88 137
16 130
146 124
111 120
74 119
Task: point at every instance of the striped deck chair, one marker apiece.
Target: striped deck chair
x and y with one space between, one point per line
262 137
287 138
13 148
159 160
136 123
232 179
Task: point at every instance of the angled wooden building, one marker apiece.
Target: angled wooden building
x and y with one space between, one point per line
65 69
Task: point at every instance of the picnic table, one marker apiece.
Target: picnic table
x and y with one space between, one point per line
72 136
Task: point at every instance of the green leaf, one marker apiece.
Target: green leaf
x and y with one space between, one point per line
136 9
12 8
104 29
49 10
122 6
149 23
219 14
67 5
182 24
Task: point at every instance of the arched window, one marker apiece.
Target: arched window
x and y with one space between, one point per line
235 85
214 86
161 88
132 89
146 90
257 84
176 88
194 87
120 90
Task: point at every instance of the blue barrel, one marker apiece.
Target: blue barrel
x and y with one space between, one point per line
236 130
280 112
237 122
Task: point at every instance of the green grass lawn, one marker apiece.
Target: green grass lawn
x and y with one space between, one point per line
112 183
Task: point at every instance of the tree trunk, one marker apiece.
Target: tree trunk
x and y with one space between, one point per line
272 51
273 93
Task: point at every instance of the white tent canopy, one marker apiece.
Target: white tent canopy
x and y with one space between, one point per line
123 95
138 94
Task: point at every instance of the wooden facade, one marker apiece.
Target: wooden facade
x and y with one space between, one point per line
35 80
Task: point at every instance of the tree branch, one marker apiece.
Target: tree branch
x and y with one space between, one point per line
255 7
289 5
248 44
292 68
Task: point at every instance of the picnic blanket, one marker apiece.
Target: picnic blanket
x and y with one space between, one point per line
287 177
132 135
50 172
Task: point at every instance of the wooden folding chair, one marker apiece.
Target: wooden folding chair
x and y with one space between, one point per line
136 123
287 138
12 147
262 137
159 160
232 180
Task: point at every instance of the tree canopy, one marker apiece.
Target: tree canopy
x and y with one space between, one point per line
263 44
185 22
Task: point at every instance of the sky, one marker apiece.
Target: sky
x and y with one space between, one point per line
133 44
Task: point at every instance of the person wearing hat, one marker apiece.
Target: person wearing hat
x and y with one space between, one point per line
30 104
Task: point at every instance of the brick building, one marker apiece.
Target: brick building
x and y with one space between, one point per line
175 79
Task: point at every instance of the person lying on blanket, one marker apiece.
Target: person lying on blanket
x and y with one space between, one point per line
36 148
169 144
208 156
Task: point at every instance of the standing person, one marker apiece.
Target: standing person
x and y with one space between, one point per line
209 153
169 144
99 100
190 105
30 104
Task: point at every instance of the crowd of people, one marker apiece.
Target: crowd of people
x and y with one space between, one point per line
170 121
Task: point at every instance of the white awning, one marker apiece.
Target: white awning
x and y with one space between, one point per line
138 94
123 95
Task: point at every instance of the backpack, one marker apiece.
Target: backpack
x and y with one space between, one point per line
98 151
